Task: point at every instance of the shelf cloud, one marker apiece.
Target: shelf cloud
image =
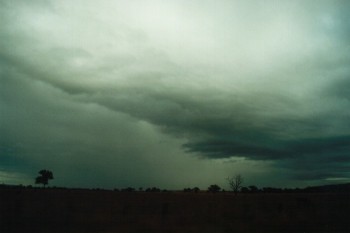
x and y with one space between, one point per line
97 90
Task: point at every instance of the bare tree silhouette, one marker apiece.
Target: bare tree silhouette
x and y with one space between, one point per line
235 182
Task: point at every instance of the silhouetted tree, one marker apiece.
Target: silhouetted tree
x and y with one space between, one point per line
235 183
128 189
187 190
45 176
272 190
253 189
214 188
153 189
244 190
196 189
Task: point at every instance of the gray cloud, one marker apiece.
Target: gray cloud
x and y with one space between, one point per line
196 81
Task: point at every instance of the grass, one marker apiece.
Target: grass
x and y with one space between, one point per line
78 211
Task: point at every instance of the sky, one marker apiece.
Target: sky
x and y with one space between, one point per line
175 94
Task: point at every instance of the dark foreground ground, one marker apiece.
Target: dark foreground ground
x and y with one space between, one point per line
80 211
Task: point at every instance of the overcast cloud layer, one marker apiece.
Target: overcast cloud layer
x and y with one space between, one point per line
175 93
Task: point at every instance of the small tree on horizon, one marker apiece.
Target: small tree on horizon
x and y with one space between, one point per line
214 188
45 176
235 183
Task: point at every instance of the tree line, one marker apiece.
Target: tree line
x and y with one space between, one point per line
235 184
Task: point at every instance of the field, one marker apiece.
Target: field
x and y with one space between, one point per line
80 211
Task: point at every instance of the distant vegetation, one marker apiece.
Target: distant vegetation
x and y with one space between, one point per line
45 176
214 188
235 183
334 188
130 189
188 190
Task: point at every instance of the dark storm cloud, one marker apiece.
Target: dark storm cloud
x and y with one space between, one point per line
317 155
277 149
46 128
306 145
264 82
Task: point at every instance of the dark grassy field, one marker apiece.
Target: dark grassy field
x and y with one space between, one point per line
78 211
